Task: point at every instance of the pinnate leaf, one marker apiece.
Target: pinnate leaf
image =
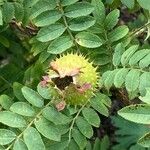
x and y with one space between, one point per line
50 32
139 113
12 119
47 129
91 116
23 109
78 9
89 40
6 136
33 139
32 97
84 127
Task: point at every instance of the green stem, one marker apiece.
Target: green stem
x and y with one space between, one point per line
73 121
108 45
6 81
67 26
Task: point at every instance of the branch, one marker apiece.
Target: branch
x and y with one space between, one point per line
139 30
29 125
66 24
73 121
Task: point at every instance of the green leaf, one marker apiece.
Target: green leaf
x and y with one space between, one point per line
28 3
32 97
87 39
89 146
84 127
112 19
119 49
47 129
11 119
5 101
73 146
132 80
58 145
138 56
47 18
91 116
120 77
19 145
44 56
105 143
42 6
2 147
145 62
98 105
127 54
104 99
1 18
118 33
6 136
4 41
33 139
145 140
129 3
50 113
96 28
60 45
97 144
23 109
63 129
99 11
146 98
139 113
144 4
67 2
81 23
45 92
78 9
143 85
8 11
110 79
101 59
50 32
79 138
19 11
17 91
39 47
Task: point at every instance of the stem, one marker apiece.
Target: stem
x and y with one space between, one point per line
108 45
139 30
73 121
6 81
30 124
67 26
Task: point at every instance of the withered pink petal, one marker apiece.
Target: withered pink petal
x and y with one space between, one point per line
54 65
46 78
43 83
74 72
61 105
87 86
84 87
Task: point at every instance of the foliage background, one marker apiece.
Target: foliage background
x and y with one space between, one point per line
114 34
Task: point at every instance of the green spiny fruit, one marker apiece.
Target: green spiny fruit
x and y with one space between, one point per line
74 77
